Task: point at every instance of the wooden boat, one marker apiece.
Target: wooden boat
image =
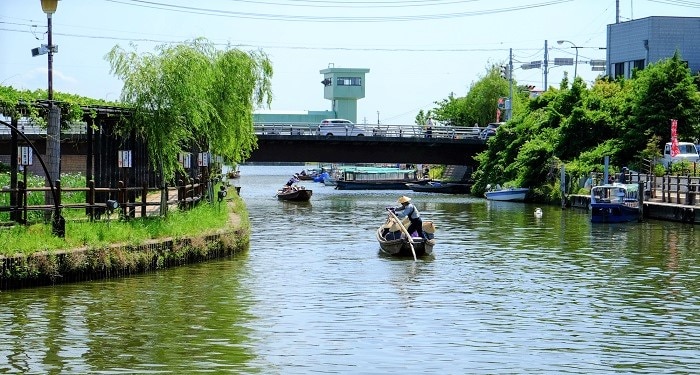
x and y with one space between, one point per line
615 203
294 194
440 187
235 173
393 241
376 178
508 194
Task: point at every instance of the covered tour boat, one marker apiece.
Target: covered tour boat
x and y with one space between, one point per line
615 203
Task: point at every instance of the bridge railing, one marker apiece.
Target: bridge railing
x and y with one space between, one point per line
376 130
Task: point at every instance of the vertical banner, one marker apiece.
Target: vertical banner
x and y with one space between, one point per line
674 138
203 159
185 159
124 158
25 155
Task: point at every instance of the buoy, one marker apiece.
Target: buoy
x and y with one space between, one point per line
538 212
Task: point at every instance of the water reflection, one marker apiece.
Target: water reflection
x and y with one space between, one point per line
505 293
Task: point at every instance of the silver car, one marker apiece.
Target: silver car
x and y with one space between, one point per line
340 127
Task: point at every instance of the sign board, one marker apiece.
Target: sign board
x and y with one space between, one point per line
597 62
25 155
185 159
563 61
203 159
124 158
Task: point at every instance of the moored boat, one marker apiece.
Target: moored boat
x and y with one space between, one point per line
440 187
507 194
294 194
376 178
615 203
393 240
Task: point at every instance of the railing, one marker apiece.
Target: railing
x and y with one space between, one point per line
375 130
129 200
309 129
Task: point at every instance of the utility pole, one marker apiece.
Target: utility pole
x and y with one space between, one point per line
546 65
509 104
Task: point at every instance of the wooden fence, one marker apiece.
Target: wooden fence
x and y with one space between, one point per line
132 201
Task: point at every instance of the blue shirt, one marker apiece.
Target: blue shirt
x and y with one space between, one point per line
408 210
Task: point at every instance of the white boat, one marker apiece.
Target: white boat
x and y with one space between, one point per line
508 194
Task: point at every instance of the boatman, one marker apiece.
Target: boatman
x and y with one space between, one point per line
407 209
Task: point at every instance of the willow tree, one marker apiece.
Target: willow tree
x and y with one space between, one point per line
193 93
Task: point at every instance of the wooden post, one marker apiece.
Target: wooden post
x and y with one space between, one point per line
678 189
21 202
144 199
91 199
180 193
121 197
640 200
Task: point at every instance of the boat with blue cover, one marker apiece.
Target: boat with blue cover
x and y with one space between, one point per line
615 203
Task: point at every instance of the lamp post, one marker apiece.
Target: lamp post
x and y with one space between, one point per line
49 7
572 46
53 130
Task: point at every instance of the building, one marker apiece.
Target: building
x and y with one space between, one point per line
342 86
638 43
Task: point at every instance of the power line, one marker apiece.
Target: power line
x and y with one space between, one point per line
305 18
292 47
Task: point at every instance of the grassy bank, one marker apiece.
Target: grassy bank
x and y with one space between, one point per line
32 255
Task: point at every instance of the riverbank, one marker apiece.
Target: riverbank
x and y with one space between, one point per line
48 267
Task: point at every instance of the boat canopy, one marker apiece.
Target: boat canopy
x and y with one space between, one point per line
615 193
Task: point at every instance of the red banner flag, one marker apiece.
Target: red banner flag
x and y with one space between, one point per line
674 138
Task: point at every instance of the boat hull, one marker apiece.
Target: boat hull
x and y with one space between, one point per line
444 188
373 185
613 213
295 196
393 243
507 194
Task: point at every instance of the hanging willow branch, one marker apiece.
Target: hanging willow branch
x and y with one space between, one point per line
193 93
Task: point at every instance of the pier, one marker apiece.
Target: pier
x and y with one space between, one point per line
671 198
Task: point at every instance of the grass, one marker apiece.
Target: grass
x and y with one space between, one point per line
37 198
178 224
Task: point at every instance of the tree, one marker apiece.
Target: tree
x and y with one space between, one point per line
659 93
480 103
193 93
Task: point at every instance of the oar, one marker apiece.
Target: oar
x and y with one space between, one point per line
405 231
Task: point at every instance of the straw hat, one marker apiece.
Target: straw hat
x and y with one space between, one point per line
404 199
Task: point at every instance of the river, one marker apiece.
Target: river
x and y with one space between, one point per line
506 292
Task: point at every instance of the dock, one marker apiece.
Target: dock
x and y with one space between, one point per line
670 198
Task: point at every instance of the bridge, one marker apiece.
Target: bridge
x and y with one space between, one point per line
301 142
378 144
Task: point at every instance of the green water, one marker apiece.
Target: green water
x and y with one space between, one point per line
505 293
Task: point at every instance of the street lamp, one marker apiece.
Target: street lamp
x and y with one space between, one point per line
49 7
53 130
572 46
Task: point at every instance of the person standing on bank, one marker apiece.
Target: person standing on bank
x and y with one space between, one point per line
407 209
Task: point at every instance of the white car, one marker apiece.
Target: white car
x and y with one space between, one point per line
340 127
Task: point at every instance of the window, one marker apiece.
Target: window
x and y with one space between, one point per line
619 70
638 64
349 81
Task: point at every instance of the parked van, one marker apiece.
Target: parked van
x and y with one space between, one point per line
688 153
339 127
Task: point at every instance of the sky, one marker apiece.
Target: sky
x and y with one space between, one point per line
418 51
